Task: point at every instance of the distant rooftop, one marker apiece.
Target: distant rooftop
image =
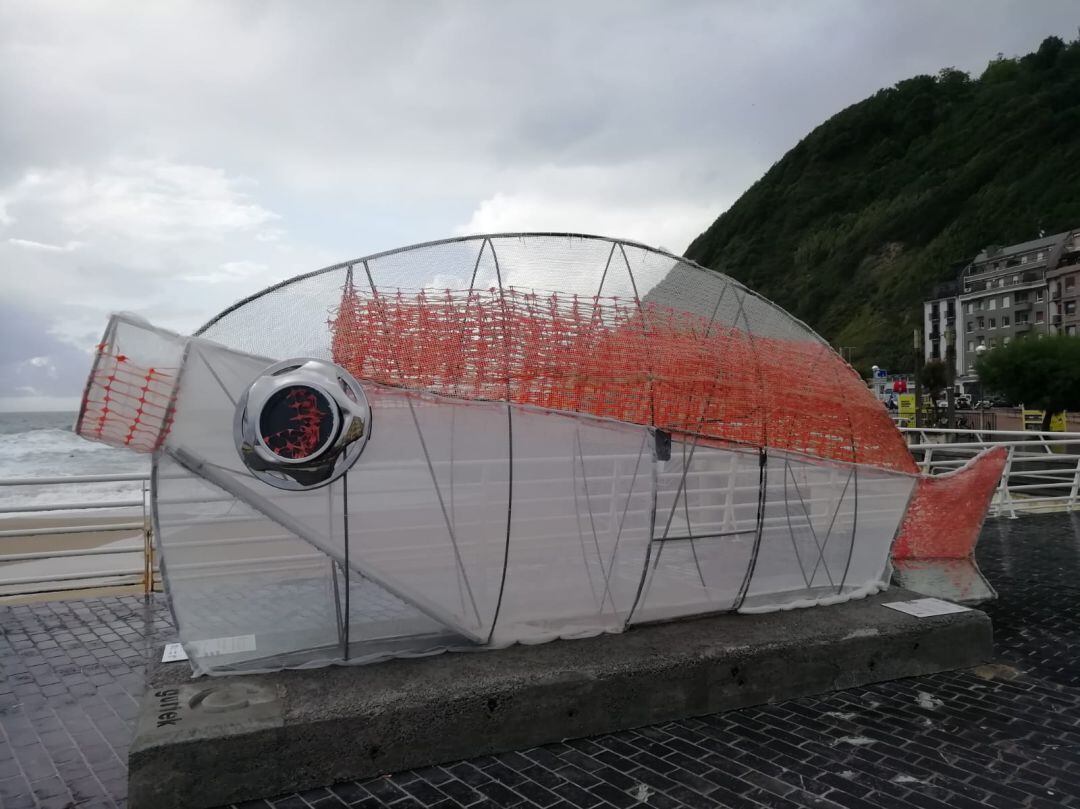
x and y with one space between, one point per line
995 252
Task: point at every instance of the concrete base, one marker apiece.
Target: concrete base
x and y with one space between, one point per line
207 742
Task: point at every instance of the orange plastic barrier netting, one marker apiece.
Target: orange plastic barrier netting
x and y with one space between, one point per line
947 511
645 364
127 405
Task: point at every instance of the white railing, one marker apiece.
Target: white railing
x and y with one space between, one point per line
68 544
1042 472
52 547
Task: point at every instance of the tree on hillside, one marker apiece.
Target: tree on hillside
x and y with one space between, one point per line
851 229
934 378
1044 373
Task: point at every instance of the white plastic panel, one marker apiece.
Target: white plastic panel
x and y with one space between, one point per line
468 523
580 519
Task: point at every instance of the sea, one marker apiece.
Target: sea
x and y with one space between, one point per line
45 445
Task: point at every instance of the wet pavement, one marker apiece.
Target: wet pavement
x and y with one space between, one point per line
1004 735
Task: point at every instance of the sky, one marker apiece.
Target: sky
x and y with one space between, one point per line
169 158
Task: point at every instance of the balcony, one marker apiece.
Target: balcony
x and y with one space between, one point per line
935 336
1022 327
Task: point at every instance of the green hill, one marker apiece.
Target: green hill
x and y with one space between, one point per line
854 227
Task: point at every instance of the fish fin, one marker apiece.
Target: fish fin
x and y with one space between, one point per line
934 552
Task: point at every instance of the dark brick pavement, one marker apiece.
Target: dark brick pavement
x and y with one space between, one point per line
1004 735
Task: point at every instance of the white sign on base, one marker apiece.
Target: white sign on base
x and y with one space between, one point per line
173 653
926 607
210 648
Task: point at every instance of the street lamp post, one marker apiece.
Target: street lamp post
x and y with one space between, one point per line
950 377
918 376
979 351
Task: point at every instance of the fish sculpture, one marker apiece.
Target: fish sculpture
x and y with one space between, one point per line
507 439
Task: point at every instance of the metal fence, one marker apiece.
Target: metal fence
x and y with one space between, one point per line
1042 472
54 547
69 544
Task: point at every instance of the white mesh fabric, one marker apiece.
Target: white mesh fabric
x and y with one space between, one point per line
518 485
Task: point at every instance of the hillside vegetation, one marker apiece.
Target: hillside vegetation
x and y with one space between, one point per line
855 226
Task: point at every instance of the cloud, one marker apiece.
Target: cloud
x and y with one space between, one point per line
138 200
672 224
171 158
35 363
45 364
229 271
30 244
602 200
136 235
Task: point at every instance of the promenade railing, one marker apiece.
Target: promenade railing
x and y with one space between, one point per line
1042 472
52 546
65 541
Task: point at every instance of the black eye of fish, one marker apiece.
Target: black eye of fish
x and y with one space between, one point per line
296 422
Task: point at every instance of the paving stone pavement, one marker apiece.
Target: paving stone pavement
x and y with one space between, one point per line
1003 735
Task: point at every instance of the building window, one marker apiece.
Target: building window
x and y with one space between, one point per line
1070 282
1021 297
1070 307
1039 255
1070 330
981 322
970 308
993 323
982 340
993 342
1023 259
1016 279
1040 316
1005 340
1005 302
1021 318
1039 295
978 305
971 345
991 304
970 327
1004 321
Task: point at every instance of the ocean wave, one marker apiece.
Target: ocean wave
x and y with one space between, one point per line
54 452
35 442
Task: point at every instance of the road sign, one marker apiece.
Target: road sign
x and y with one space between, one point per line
907 406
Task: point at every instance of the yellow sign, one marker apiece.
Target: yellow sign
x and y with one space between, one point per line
907 406
1032 418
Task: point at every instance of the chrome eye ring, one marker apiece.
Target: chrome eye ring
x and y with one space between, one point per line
301 424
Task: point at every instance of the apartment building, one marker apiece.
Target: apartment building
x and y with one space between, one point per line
1003 293
939 324
1064 286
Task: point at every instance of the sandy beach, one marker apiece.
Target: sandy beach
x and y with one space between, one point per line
76 559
